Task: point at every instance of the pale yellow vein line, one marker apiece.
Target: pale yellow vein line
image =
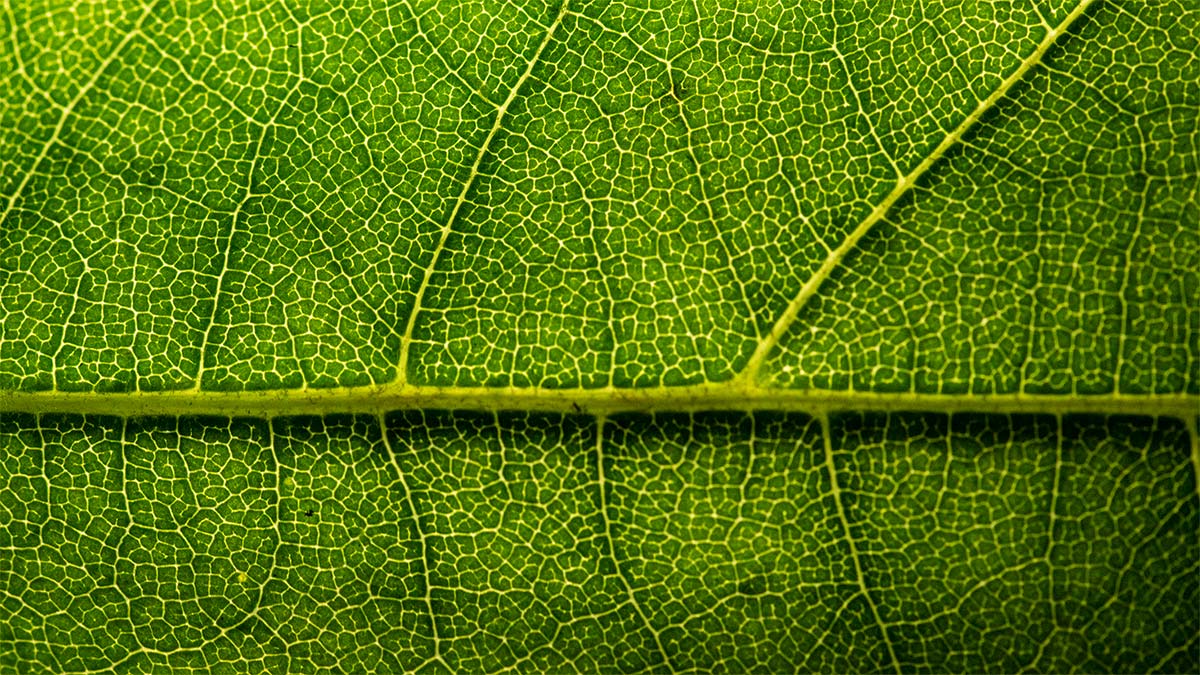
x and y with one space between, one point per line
1048 554
406 339
1169 656
255 613
238 210
69 108
373 399
903 185
14 38
612 544
862 110
855 558
423 540
698 173
223 270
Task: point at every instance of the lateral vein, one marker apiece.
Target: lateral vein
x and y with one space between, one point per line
903 185
406 339
855 557
423 540
70 107
612 547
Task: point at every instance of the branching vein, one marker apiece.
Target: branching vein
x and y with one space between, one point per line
855 558
69 108
497 123
612 546
903 185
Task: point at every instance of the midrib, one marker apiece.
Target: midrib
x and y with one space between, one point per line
727 396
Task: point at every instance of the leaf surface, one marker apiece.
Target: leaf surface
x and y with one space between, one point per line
600 337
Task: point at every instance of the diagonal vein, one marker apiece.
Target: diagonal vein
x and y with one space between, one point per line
406 340
238 211
69 108
902 187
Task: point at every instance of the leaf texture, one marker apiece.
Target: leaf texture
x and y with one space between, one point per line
641 336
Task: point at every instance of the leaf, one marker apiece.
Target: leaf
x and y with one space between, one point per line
780 337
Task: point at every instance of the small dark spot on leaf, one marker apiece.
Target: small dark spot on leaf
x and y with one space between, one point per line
308 513
753 586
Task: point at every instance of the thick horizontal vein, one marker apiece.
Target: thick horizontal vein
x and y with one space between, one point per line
375 399
406 340
903 185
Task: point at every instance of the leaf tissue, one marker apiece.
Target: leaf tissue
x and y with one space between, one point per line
650 335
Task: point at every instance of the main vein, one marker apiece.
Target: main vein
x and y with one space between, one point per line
732 395
903 185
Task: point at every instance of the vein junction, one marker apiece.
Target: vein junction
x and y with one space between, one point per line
903 185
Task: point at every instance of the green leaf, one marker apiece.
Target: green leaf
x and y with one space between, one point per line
821 337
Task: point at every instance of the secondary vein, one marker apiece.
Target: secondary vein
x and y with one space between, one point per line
903 185
69 108
855 557
612 547
406 340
